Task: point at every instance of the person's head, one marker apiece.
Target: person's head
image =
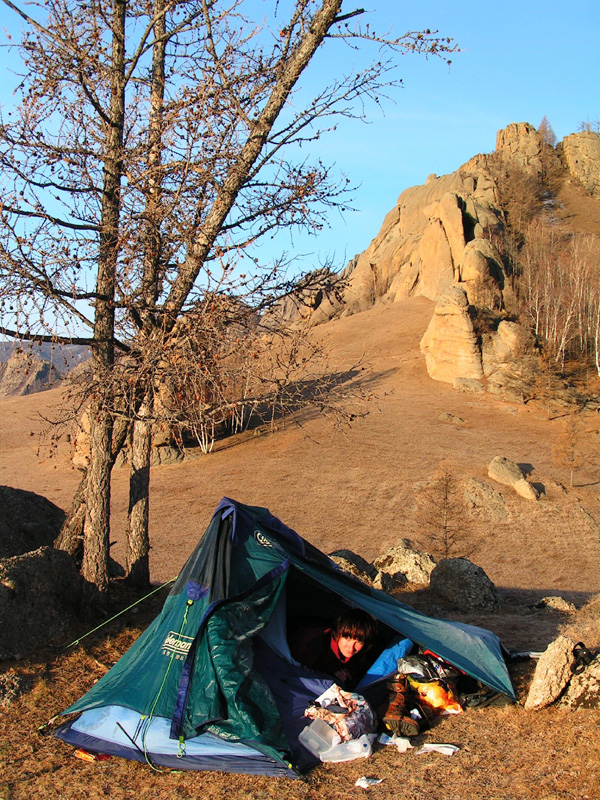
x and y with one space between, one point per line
354 630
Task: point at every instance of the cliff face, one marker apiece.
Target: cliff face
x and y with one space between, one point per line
27 368
24 373
440 234
439 242
581 153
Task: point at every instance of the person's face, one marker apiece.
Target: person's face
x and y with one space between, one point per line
349 647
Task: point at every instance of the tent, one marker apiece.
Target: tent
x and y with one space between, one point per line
211 684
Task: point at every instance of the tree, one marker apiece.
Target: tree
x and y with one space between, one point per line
441 514
590 125
567 452
154 145
546 131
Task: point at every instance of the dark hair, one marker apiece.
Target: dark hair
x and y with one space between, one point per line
356 624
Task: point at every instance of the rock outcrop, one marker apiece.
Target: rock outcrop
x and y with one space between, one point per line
521 144
24 373
450 345
581 152
439 242
485 502
423 247
27 367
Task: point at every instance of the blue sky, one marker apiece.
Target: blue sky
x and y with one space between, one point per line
520 60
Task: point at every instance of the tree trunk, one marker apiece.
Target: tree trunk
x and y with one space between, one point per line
97 518
94 566
138 540
138 546
70 537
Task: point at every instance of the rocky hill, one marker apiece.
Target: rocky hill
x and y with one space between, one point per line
26 369
445 240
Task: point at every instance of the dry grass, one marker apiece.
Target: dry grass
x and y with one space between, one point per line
585 625
505 752
353 491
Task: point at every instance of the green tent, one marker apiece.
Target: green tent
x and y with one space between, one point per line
211 683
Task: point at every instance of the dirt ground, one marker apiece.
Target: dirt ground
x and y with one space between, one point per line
355 489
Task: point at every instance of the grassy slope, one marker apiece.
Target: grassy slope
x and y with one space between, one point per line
353 490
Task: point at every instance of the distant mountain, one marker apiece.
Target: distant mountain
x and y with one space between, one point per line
26 367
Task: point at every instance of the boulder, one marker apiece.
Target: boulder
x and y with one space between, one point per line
525 489
505 471
450 345
464 585
556 604
510 474
39 598
404 563
27 521
389 583
353 564
583 690
552 673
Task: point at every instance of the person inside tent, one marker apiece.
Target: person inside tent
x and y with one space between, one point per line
340 651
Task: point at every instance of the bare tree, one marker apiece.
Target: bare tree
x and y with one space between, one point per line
546 131
154 145
440 512
567 451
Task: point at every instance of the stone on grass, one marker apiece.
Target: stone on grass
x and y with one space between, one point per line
464 585
552 673
508 473
505 471
556 604
405 563
39 598
583 690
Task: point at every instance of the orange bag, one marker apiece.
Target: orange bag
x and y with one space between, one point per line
438 695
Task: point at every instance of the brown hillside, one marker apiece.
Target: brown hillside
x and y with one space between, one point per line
578 210
354 490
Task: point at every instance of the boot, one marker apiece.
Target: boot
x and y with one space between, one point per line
395 713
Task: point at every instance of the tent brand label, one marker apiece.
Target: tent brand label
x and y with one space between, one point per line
262 539
177 645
